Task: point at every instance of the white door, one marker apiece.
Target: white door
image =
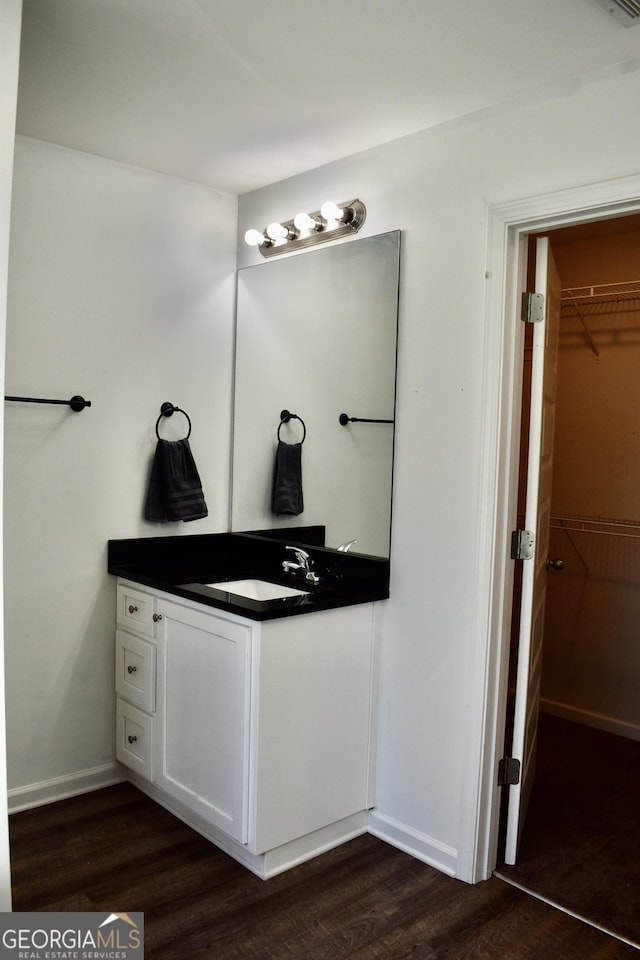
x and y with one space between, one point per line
544 370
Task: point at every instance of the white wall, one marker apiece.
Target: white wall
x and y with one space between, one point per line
436 186
10 23
121 290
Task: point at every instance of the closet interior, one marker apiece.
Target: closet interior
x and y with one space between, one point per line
591 665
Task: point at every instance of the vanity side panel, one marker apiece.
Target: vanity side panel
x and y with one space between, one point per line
312 710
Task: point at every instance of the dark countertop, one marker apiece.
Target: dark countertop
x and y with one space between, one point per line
183 566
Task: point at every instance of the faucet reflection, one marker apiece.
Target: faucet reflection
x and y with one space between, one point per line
345 547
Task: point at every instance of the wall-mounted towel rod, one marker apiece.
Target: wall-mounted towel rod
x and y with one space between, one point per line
167 410
76 403
344 419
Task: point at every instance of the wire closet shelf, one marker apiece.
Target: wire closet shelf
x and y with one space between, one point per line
602 526
601 293
590 302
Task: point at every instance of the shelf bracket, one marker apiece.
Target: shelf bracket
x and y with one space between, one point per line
587 332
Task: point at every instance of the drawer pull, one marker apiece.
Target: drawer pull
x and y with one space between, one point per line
132 609
131 669
156 617
131 739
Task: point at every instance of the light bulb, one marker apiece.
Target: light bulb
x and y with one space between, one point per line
276 231
253 238
302 221
331 211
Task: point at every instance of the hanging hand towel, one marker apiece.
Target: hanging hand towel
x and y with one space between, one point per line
175 491
286 497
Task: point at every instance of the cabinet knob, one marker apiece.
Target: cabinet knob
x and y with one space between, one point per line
132 609
131 739
131 669
156 617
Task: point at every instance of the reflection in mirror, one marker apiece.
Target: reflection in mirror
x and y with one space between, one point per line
316 336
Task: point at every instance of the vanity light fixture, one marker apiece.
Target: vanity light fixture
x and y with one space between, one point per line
331 211
303 222
279 231
333 220
254 237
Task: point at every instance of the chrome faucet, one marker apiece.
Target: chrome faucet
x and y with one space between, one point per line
303 565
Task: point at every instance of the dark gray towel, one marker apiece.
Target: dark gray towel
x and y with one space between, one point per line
175 491
286 497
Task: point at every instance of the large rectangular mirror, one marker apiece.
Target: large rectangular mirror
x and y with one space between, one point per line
316 335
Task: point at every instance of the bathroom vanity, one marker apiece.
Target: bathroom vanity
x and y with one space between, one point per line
249 719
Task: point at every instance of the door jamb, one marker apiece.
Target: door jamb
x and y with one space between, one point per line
508 228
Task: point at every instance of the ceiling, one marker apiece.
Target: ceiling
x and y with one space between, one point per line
237 94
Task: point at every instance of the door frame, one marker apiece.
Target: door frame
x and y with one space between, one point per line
509 226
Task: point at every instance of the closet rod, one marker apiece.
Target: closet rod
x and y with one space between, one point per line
76 403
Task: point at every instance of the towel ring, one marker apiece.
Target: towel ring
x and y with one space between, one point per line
285 416
167 410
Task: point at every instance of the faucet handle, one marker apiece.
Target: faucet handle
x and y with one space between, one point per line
301 555
303 565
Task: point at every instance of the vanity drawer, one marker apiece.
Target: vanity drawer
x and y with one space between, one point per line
136 670
136 610
134 739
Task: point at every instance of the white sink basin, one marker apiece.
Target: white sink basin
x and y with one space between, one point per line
257 589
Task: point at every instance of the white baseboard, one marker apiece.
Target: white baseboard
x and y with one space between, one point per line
273 862
438 855
418 845
598 720
59 788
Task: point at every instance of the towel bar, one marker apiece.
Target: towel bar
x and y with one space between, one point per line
344 419
76 403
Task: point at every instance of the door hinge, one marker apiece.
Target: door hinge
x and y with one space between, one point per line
522 544
508 772
532 307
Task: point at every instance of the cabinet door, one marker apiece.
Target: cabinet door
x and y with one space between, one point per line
203 714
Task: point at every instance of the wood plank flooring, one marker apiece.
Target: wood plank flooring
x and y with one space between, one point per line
116 850
581 842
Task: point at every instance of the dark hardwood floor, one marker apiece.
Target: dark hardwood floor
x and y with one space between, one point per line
580 846
115 850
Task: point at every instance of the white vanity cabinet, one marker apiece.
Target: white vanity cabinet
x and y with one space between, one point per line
259 731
